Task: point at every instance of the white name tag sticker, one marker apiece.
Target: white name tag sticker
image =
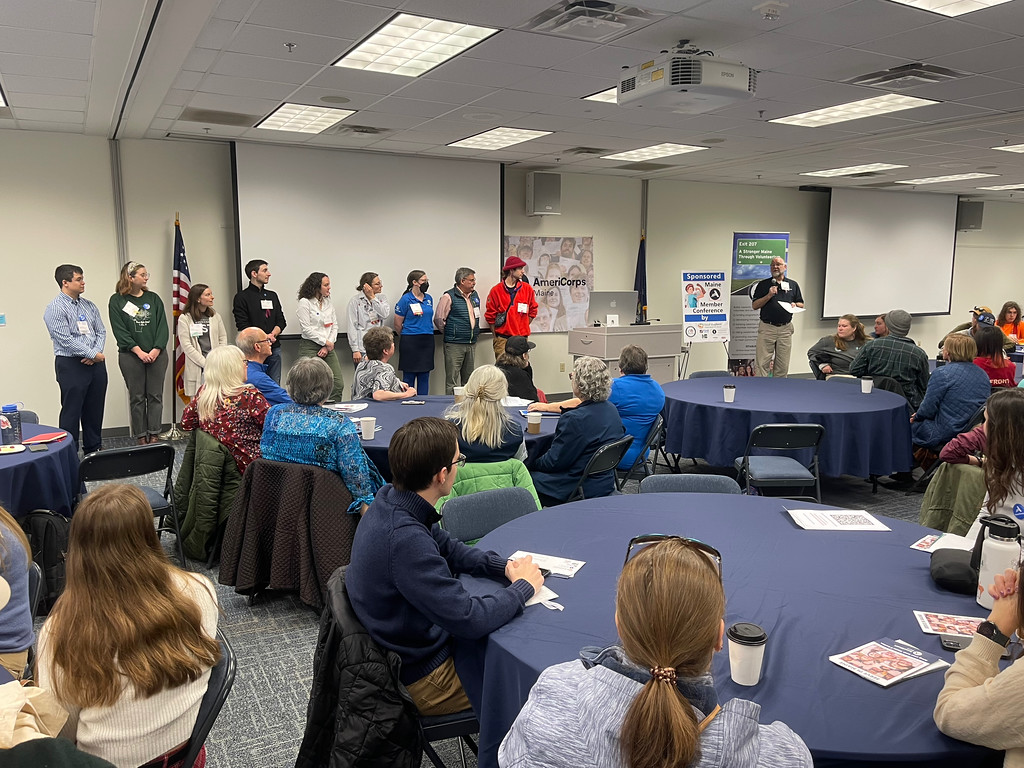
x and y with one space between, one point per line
476 312
130 309
417 309
196 329
266 304
522 308
784 285
83 327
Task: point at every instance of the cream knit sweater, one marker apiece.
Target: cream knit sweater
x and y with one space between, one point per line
981 705
133 731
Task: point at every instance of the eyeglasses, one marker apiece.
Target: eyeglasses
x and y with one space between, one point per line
639 542
263 341
570 375
461 461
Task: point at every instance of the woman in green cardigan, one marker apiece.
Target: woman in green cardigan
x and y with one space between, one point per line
139 324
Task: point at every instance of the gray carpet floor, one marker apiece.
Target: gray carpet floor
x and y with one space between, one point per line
262 723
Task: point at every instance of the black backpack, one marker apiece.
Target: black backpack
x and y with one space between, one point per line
48 536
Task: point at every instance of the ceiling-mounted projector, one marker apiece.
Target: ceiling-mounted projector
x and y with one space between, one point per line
687 84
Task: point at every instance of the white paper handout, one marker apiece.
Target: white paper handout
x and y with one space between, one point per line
933 623
790 308
543 595
835 520
515 402
559 566
347 407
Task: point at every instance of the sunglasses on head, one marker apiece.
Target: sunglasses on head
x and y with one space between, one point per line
649 539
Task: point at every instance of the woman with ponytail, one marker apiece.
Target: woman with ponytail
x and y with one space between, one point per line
651 702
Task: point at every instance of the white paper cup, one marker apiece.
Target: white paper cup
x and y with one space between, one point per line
866 385
368 425
460 394
746 652
533 422
729 392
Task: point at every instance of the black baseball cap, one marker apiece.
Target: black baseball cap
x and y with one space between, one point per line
518 345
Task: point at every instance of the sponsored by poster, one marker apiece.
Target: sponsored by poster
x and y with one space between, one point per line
561 272
752 253
705 307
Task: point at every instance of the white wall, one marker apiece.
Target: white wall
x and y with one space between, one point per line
56 206
607 207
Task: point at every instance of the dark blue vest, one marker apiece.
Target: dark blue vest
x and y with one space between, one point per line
461 327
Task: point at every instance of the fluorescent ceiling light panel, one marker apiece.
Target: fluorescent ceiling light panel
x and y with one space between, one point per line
854 169
611 96
652 153
1011 148
411 45
951 7
855 110
498 138
956 177
303 118
1002 187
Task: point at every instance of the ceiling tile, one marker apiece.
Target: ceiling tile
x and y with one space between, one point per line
242 86
239 104
317 16
438 90
40 101
46 125
943 37
342 79
310 95
234 10
521 101
188 81
859 22
984 60
512 47
842 64
45 43
40 66
411 107
53 86
216 34
479 72
49 115
773 49
493 14
259 68
52 15
384 120
270 43
200 60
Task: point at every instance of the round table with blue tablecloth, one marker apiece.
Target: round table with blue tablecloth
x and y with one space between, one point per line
816 594
40 480
392 414
865 435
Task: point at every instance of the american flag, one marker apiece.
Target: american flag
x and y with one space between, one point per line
181 283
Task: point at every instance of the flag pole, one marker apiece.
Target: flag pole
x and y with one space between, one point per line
175 432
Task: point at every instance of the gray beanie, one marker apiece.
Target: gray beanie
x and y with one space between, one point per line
898 322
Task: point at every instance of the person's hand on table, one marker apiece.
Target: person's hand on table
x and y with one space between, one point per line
409 391
1004 613
525 568
827 370
543 407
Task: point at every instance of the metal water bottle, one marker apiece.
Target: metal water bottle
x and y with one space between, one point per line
10 424
1000 550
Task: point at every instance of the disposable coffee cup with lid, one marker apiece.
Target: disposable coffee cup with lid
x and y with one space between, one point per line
729 392
746 652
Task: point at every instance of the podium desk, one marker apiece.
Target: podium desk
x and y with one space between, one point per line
662 343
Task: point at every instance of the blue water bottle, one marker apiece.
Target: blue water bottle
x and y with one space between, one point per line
10 424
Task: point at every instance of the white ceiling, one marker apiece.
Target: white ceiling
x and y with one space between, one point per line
142 68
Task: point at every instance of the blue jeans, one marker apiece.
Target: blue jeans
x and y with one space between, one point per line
419 380
273 364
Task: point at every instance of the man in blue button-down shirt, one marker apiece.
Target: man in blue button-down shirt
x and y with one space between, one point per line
78 336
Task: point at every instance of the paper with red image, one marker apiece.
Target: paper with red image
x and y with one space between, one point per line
947 623
886 661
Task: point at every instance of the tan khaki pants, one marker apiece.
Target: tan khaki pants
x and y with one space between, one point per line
14 663
777 340
499 345
440 692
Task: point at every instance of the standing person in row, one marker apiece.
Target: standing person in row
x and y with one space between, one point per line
511 305
259 307
78 335
139 325
775 331
414 320
457 316
200 330
319 326
367 309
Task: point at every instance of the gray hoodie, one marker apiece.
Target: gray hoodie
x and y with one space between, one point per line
574 715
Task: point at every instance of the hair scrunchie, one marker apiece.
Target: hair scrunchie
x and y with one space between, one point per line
664 674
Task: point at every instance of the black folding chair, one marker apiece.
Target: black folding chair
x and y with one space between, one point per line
123 463
460 725
222 677
642 466
605 459
781 471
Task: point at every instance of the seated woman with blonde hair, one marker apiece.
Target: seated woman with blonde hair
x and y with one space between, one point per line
128 647
487 433
651 702
227 408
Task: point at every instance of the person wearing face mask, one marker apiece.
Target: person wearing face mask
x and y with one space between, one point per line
833 355
775 331
414 320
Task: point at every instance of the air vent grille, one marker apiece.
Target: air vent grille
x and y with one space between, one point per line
629 84
685 72
218 117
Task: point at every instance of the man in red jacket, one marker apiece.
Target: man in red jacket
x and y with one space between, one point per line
511 305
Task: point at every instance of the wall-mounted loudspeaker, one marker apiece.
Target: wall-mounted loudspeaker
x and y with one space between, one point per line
543 194
968 215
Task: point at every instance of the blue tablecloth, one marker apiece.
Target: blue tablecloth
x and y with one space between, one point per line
44 480
815 593
864 434
393 414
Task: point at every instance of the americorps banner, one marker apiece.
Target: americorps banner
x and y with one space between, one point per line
705 311
561 271
752 253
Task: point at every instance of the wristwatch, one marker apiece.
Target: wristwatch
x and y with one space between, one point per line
992 632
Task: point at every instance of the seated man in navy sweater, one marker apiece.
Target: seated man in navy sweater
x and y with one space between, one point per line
402 580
